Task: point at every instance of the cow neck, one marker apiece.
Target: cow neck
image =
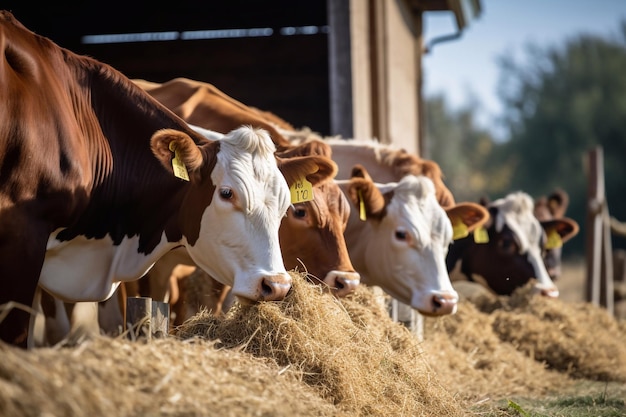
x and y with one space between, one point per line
132 194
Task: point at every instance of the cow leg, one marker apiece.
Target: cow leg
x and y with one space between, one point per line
111 312
20 266
56 323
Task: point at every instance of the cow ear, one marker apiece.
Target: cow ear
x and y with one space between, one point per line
565 227
364 194
169 145
316 169
466 217
359 171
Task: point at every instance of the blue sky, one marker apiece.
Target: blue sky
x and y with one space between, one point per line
467 67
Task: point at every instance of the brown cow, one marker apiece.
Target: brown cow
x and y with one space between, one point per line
202 104
94 189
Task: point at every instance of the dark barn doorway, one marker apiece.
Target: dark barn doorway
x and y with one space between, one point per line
268 54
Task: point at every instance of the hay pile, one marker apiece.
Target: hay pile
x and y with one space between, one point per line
579 339
115 377
314 355
310 355
496 347
349 352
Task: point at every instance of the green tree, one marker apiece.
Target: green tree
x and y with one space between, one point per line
461 148
560 104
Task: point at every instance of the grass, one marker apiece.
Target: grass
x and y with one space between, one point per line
587 399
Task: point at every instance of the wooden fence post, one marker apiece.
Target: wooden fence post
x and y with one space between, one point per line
410 317
138 317
146 319
599 286
160 319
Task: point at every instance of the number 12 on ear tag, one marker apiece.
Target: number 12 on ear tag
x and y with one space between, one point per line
301 191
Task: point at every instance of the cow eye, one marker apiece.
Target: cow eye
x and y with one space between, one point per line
401 234
507 245
299 212
226 193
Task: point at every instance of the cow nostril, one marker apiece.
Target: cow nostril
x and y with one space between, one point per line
437 302
274 289
266 289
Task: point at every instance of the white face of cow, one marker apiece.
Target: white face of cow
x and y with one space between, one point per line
238 241
516 211
404 251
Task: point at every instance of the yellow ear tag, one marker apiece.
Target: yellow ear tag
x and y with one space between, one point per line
180 170
481 235
301 191
459 229
362 215
554 240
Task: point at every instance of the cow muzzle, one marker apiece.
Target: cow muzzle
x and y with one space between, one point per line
274 287
437 303
342 283
550 292
267 287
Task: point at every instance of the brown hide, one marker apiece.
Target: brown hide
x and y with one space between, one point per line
204 105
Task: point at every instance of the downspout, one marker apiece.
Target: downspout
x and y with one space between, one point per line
440 39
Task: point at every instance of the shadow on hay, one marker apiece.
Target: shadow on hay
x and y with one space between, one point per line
348 350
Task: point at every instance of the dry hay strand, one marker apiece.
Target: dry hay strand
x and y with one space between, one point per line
472 362
349 351
579 339
116 377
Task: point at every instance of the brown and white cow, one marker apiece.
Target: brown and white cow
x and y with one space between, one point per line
398 236
311 239
311 235
88 192
507 253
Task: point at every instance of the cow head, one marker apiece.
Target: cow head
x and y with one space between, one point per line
550 211
232 208
311 234
398 237
507 253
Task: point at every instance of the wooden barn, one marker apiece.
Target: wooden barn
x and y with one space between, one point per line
341 67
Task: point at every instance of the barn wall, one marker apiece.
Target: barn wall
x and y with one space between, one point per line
362 88
401 92
386 71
